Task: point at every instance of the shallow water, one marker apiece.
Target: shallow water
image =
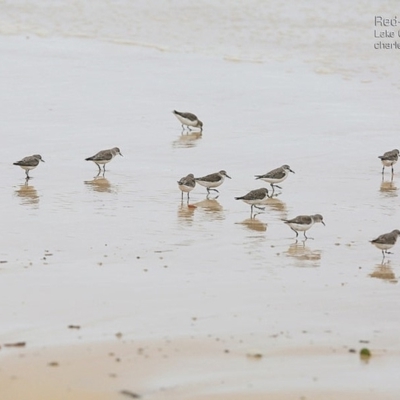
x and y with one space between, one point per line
133 218
122 253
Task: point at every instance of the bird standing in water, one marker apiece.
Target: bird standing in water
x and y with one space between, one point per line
28 163
104 157
186 185
304 223
188 119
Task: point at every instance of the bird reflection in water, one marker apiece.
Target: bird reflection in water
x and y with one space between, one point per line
277 205
385 272
303 253
100 184
211 207
388 188
186 213
189 140
27 194
254 224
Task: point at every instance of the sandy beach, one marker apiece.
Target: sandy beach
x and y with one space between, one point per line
113 288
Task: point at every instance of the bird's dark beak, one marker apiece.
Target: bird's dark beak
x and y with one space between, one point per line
291 170
228 176
42 160
322 222
120 154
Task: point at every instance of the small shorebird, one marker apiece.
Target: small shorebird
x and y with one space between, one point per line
254 198
213 180
303 223
188 119
104 157
389 159
28 163
275 176
386 241
187 184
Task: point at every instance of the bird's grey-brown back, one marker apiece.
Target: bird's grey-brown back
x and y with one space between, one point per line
392 155
30 161
254 194
387 238
105 155
187 180
215 177
187 115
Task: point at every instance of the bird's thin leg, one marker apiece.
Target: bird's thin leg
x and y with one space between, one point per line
273 189
260 208
104 167
182 196
27 174
297 233
188 198
392 170
98 166
383 170
307 236
383 255
388 252
251 211
278 187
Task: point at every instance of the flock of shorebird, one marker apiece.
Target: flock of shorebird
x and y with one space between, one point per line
255 198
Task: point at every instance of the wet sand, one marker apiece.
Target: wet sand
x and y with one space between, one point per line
197 288
199 368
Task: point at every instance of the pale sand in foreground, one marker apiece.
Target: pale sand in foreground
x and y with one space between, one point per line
210 368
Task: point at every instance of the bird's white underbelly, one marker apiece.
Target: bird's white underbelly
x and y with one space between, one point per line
185 188
274 180
101 161
300 227
208 184
254 202
388 163
28 168
186 121
383 246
